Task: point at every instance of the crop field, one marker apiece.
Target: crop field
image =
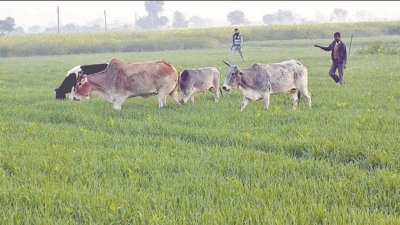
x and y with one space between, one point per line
69 162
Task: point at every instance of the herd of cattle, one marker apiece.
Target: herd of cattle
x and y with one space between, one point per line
118 80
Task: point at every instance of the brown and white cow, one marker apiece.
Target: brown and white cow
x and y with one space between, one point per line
262 80
122 80
199 80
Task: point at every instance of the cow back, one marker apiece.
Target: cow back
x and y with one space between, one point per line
142 78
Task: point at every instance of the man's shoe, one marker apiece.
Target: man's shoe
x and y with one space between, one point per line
335 78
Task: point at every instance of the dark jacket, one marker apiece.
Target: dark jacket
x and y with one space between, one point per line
342 51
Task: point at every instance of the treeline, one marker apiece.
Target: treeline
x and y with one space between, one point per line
175 39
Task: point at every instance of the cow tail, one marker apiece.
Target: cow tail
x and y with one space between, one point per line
179 80
220 91
298 96
296 78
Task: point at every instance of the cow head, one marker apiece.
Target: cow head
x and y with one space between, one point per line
60 95
82 88
68 83
233 77
65 86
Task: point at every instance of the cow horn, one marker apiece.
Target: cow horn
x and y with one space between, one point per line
80 73
226 63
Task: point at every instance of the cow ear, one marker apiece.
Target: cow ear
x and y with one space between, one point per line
84 79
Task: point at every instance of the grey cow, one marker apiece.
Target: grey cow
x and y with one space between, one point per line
199 80
262 80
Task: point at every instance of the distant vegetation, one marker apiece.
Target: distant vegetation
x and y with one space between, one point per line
380 47
179 39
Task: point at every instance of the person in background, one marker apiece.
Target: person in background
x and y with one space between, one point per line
237 42
339 58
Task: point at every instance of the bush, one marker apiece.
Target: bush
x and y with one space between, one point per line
379 47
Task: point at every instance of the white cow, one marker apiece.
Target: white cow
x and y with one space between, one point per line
199 80
262 80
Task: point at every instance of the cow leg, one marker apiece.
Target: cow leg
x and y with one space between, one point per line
266 102
295 99
174 95
244 103
117 104
162 100
216 88
215 91
162 96
307 95
192 98
187 95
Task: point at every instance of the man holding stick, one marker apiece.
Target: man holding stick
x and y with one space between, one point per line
339 58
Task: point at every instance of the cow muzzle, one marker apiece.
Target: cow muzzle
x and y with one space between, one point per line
227 89
59 95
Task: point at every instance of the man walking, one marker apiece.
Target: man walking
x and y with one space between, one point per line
339 58
237 42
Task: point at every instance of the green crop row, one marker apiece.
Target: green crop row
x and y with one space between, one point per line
179 39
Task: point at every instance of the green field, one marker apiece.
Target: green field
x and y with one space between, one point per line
67 162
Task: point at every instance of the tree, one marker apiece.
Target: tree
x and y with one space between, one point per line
179 20
144 22
269 19
152 20
94 27
34 29
7 25
339 15
18 30
70 27
53 29
96 21
286 16
148 22
282 17
196 21
237 17
162 21
153 8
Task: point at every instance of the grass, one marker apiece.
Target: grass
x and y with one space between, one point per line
66 162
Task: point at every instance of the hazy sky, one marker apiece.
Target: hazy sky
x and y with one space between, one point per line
44 13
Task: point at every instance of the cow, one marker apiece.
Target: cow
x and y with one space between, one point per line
68 83
199 80
262 80
122 80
